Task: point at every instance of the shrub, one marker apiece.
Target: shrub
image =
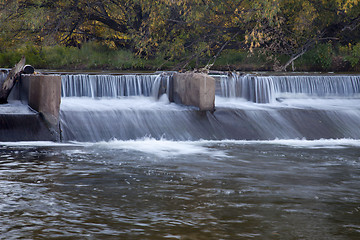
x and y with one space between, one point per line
351 53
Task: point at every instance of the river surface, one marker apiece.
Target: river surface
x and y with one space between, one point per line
161 189
185 188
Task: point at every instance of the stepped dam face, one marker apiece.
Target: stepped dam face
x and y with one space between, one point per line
278 157
247 107
268 89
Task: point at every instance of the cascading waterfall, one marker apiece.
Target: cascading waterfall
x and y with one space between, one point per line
102 107
113 86
98 107
320 86
266 89
251 88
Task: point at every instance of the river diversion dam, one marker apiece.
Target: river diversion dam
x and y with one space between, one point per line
247 107
244 156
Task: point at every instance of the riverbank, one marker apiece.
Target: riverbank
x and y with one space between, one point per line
96 57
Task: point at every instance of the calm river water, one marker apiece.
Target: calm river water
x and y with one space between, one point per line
159 189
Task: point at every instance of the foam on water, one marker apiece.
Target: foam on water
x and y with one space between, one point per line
163 147
323 104
123 103
238 103
303 143
146 103
295 103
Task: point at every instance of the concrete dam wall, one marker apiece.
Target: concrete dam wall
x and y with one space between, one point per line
33 110
186 106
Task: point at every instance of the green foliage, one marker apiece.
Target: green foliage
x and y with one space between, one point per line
317 59
125 34
95 56
91 56
351 53
11 57
229 57
323 55
59 56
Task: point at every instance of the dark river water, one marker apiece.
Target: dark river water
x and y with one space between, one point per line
159 189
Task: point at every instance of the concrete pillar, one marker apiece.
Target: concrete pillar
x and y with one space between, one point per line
45 97
194 89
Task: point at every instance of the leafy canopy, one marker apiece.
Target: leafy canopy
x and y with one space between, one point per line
183 29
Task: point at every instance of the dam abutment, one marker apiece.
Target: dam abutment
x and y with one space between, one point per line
194 89
44 96
33 111
132 106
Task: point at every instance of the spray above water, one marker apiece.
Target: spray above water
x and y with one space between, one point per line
162 147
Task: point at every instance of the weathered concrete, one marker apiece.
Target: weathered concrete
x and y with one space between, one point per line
44 96
194 89
24 127
20 91
40 121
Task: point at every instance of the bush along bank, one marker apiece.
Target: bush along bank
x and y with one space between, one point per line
94 56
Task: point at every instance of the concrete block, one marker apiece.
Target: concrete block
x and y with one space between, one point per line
194 89
20 90
45 97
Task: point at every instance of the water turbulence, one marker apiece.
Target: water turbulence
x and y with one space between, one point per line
112 86
150 182
104 107
266 89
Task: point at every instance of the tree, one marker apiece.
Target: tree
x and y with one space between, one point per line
184 30
298 26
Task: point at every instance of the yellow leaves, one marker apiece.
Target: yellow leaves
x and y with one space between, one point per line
255 38
347 5
305 17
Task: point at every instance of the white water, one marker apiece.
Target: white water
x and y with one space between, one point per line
266 89
84 104
167 148
163 104
298 106
87 119
112 86
156 188
295 103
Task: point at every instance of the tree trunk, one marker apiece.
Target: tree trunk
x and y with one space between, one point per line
9 82
291 61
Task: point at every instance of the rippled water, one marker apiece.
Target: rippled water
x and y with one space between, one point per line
159 189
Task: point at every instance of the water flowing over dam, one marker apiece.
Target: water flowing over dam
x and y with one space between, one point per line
105 107
266 89
111 86
278 157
